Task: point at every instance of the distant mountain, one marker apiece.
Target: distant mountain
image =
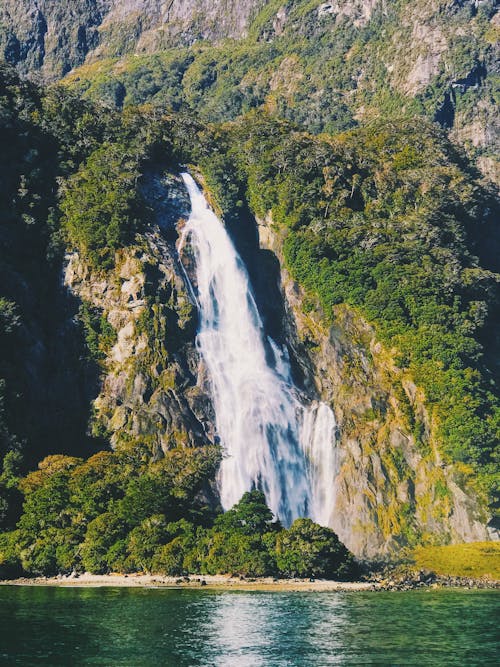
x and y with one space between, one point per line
325 65
54 37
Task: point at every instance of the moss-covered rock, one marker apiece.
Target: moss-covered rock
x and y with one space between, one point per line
151 373
393 488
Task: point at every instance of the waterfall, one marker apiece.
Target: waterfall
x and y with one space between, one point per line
318 440
271 439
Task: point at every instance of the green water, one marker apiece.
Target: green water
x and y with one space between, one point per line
61 626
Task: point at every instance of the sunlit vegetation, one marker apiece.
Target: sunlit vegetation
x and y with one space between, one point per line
390 220
324 71
477 559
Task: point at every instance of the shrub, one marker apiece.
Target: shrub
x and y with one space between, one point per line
309 550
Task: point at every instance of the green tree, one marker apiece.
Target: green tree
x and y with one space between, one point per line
309 550
101 204
240 540
250 516
96 483
103 543
145 539
175 557
238 553
47 497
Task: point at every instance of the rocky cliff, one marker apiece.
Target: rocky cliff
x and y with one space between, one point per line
152 387
393 489
49 37
55 37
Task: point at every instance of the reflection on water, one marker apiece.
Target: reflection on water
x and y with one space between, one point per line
50 626
238 638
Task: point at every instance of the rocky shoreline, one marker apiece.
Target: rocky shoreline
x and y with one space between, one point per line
194 581
426 579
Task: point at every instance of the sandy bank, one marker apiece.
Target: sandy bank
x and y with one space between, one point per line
206 582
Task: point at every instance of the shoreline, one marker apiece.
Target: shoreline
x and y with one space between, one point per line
206 582
228 583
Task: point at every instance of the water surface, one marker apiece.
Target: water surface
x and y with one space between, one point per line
116 626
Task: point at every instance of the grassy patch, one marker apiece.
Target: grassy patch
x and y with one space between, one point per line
476 559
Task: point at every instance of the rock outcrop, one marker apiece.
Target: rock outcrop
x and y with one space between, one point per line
152 389
51 37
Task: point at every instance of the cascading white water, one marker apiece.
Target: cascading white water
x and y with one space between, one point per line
318 438
270 439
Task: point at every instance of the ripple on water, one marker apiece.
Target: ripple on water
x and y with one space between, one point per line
106 626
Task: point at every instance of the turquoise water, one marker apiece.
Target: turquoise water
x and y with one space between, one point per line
111 626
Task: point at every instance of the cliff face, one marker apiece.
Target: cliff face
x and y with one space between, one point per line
152 382
140 323
51 37
393 489
54 37
151 25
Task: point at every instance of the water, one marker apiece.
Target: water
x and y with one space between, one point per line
272 438
318 439
141 627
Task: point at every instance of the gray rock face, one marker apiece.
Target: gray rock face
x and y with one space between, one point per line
49 36
392 488
54 37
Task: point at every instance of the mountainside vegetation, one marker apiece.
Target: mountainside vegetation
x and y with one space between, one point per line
54 174
477 559
327 67
390 220
357 131
118 510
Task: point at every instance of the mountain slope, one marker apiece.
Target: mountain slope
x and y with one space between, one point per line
324 65
394 275
327 67
55 37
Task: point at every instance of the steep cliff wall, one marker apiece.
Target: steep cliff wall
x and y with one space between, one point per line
393 489
152 380
54 37
49 36
152 25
